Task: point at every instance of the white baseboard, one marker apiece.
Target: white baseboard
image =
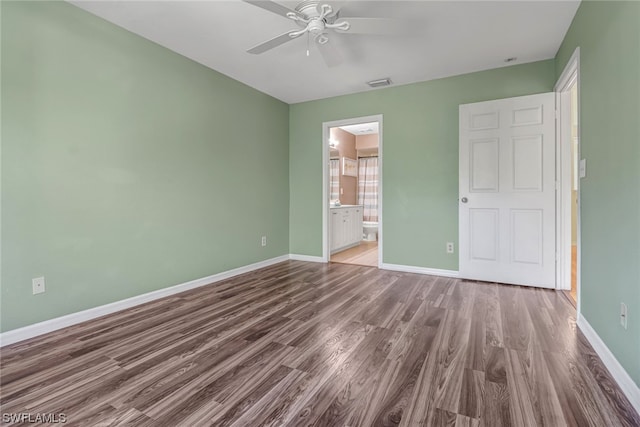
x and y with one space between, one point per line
51 325
626 383
420 270
308 258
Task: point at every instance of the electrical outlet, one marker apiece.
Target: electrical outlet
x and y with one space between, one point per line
623 315
264 240
38 285
449 247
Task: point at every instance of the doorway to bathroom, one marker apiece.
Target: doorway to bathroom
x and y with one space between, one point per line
352 191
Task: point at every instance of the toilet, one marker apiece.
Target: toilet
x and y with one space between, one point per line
369 231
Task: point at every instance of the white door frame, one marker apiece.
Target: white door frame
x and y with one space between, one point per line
570 76
325 179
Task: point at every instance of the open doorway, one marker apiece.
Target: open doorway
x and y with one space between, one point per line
352 196
569 173
573 93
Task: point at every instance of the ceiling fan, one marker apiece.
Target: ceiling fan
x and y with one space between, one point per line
318 19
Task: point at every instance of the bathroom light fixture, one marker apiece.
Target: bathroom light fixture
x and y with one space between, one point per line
333 143
380 82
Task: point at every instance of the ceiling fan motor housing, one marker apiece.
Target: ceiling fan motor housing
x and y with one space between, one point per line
309 9
316 26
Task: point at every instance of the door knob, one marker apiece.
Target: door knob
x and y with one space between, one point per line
464 200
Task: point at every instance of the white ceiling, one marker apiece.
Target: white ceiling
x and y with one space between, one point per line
361 128
450 38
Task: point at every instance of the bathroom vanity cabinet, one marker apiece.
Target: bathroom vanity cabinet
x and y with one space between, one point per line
345 227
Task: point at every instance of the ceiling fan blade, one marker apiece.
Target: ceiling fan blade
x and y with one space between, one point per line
270 44
381 26
330 54
273 7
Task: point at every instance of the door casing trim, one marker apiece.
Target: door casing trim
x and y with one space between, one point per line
570 76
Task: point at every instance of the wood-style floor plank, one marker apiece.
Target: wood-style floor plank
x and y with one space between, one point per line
366 253
326 345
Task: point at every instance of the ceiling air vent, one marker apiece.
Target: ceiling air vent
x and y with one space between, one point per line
380 82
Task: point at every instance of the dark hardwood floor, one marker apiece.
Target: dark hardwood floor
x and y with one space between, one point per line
331 345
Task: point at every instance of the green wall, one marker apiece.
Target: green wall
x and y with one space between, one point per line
420 158
608 34
126 167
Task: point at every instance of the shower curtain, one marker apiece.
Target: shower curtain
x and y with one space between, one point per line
368 187
334 179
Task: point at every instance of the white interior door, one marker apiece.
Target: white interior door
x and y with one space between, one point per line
507 191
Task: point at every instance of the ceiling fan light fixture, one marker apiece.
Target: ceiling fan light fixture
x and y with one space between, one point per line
380 82
322 39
